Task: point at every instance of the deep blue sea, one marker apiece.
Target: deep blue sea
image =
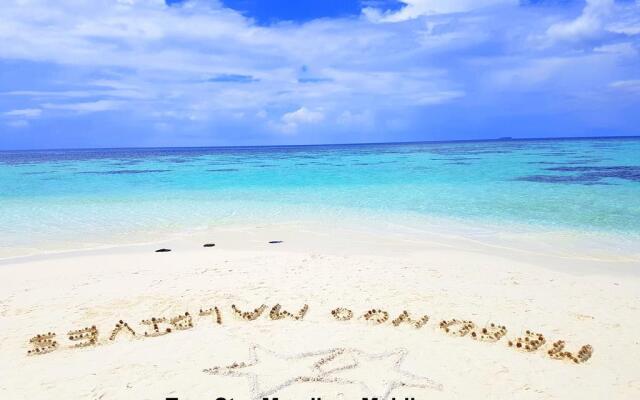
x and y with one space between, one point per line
587 185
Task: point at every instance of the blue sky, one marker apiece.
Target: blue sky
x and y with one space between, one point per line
117 73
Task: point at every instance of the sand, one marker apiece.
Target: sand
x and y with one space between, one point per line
582 300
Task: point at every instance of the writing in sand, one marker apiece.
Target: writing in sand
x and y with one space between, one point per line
159 326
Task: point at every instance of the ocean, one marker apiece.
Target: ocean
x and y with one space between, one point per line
54 198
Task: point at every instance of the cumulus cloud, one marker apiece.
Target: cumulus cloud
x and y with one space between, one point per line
201 67
201 59
302 116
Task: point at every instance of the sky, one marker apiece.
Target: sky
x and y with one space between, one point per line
129 73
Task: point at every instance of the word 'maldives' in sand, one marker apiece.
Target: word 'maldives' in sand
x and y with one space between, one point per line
530 342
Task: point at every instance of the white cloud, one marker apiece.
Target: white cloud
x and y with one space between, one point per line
588 24
624 49
24 113
631 85
438 97
124 93
142 55
85 107
302 116
164 57
627 19
418 8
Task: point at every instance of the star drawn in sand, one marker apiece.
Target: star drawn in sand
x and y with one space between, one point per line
380 374
268 372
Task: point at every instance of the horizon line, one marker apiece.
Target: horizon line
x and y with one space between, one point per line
500 139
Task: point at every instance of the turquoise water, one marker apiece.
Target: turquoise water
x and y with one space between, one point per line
589 185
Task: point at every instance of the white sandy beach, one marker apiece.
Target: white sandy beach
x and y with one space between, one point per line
583 300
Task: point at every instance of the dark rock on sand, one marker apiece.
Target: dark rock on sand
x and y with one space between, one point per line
163 250
209 245
275 241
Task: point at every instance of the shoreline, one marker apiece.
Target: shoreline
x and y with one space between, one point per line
561 242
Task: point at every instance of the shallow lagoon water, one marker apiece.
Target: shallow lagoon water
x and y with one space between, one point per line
584 185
